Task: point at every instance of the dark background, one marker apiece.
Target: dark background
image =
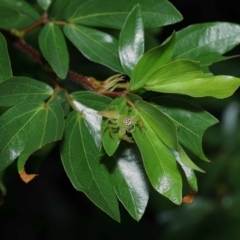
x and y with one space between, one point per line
50 208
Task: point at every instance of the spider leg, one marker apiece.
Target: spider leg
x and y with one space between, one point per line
123 136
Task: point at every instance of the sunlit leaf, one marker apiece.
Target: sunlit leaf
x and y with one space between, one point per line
54 49
113 14
129 180
80 157
19 89
162 125
5 65
186 77
192 121
150 62
159 163
97 46
131 40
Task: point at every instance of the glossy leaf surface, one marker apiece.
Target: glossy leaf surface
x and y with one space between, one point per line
54 49
80 157
186 77
198 41
19 89
113 14
22 127
89 103
191 119
162 125
159 163
188 171
131 40
5 65
95 45
43 132
177 71
150 62
129 180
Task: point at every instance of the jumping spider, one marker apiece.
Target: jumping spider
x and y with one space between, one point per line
124 123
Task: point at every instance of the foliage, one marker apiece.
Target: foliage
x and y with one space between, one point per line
120 136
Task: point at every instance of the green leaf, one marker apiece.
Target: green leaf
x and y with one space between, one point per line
80 158
22 126
5 65
95 45
27 14
58 9
192 121
43 132
19 89
131 40
113 14
8 16
182 158
217 86
89 103
44 4
159 163
110 136
213 39
176 71
162 125
130 181
92 100
187 161
150 62
54 49
186 77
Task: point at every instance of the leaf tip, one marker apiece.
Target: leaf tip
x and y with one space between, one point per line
27 177
190 197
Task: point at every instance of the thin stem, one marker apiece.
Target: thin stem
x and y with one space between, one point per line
42 20
30 51
59 22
